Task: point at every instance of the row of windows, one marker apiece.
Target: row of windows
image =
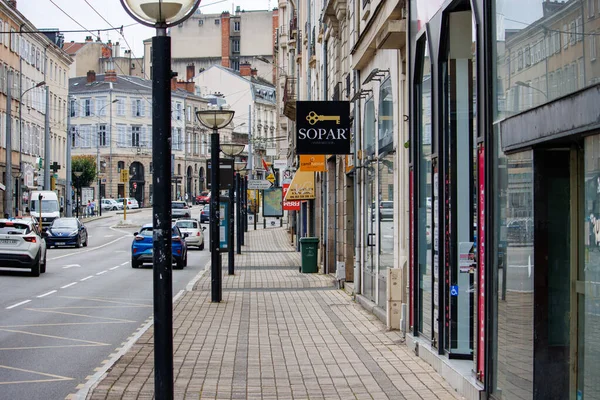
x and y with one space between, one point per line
236 24
534 53
98 107
93 136
32 136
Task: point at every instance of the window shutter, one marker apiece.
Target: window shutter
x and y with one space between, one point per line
94 133
129 136
121 142
143 107
133 107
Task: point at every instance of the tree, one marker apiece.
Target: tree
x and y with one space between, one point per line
87 164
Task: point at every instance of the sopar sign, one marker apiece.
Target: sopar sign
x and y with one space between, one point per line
323 127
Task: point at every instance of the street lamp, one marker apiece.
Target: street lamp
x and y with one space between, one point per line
527 85
78 188
161 15
98 152
19 186
215 119
232 150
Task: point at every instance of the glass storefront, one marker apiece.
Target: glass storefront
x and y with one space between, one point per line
370 265
588 279
425 196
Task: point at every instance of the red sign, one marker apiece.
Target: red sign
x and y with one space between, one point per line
290 205
134 185
481 264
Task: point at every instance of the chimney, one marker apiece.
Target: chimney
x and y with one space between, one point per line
225 50
189 87
88 39
91 76
253 71
13 3
245 69
190 72
174 83
110 76
117 50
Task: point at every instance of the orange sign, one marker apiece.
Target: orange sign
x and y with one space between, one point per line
313 163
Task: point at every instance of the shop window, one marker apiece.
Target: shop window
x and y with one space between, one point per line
385 115
369 126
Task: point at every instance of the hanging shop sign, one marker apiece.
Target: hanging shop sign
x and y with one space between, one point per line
293 205
302 187
323 127
315 163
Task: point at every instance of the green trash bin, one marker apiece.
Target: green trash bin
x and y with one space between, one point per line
308 249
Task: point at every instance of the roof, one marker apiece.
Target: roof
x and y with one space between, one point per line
253 79
72 48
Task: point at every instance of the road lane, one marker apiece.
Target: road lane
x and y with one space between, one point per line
62 326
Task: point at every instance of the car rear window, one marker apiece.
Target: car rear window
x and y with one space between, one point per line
14 229
187 224
177 205
146 232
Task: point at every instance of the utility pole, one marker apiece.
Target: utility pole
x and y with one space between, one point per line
250 154
47 142
8 174
68 185
110 142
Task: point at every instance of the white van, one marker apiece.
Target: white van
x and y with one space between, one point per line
50 206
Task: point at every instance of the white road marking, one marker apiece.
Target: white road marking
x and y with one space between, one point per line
101 272
109 235
71 266
113 268
86 278
47 294
92 249
18 304
70 284
125 263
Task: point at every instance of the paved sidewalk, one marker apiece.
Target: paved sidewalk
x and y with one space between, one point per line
277 334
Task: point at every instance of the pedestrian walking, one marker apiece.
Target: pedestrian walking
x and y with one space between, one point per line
92 208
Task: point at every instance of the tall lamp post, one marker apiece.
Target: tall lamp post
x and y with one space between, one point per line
19 186
161 15
240 168
215 120
231 150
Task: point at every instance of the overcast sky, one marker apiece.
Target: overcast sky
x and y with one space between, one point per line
45 14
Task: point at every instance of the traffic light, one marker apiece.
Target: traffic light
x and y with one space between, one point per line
40 161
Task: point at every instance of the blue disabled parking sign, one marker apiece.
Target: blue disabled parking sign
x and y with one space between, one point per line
454 290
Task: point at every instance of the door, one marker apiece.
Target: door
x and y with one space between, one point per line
370 217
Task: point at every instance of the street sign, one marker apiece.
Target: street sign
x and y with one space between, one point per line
271 178
124 175
259 184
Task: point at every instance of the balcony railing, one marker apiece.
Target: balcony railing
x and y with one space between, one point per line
289 98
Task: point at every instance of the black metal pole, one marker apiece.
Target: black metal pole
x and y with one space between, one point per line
161 212
245 208
100 196
215 255
76 202
238 227
231 249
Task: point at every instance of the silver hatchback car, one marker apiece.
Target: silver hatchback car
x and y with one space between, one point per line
195 232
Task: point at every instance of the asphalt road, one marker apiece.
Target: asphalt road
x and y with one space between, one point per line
57 330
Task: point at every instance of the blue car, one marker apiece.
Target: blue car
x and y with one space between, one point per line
66 231
141 248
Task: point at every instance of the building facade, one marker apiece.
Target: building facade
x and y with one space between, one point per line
96 56
225 39
111 118
503 195
35 68
253 100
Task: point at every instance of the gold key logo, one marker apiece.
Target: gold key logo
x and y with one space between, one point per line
313 118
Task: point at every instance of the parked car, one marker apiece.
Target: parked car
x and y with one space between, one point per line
67 231
180 209
141 247
386 210
131 202
203 198
22 245
205 214
111 205
195 232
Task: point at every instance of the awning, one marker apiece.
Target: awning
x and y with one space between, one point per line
302 186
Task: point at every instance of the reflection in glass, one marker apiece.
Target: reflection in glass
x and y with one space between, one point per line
369 127
545 49
424 227
588 287
515 272
386 223
385 115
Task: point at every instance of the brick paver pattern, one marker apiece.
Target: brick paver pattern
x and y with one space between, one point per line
277 334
